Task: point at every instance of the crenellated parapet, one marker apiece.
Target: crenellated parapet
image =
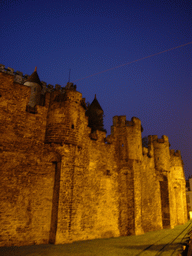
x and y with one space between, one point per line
121 122
175 153
163 139
20 78
148 152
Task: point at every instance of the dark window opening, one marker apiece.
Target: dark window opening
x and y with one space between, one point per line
30 109
42 100
72 126
108 172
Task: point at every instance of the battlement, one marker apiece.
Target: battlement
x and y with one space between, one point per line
120 121
21 79
163 139
61 95
175 153
148 151
18 76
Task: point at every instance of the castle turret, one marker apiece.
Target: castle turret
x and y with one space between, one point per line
178 186
34 82
162 166
176 159
95 115
128 135
66 118
161 153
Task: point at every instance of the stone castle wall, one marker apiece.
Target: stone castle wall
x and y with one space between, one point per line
62 183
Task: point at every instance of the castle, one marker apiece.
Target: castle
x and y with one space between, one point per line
63 180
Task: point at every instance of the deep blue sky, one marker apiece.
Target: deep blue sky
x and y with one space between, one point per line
92 36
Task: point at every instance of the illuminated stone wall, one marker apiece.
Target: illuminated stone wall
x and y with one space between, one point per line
62 183
178 209
27 171
88 203
151 196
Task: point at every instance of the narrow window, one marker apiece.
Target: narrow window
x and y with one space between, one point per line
108 172
72 126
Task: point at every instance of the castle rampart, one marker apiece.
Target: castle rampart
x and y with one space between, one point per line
63 180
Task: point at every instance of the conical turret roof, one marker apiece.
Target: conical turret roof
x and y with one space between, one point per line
95 104
34 77
95 116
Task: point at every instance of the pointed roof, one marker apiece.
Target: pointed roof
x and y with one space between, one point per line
95 104
95 116
34 77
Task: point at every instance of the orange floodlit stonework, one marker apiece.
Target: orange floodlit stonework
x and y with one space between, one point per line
63 180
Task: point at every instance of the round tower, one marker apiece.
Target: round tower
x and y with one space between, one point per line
161 152
66 119
34 82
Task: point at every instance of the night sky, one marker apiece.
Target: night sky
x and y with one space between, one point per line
89 37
